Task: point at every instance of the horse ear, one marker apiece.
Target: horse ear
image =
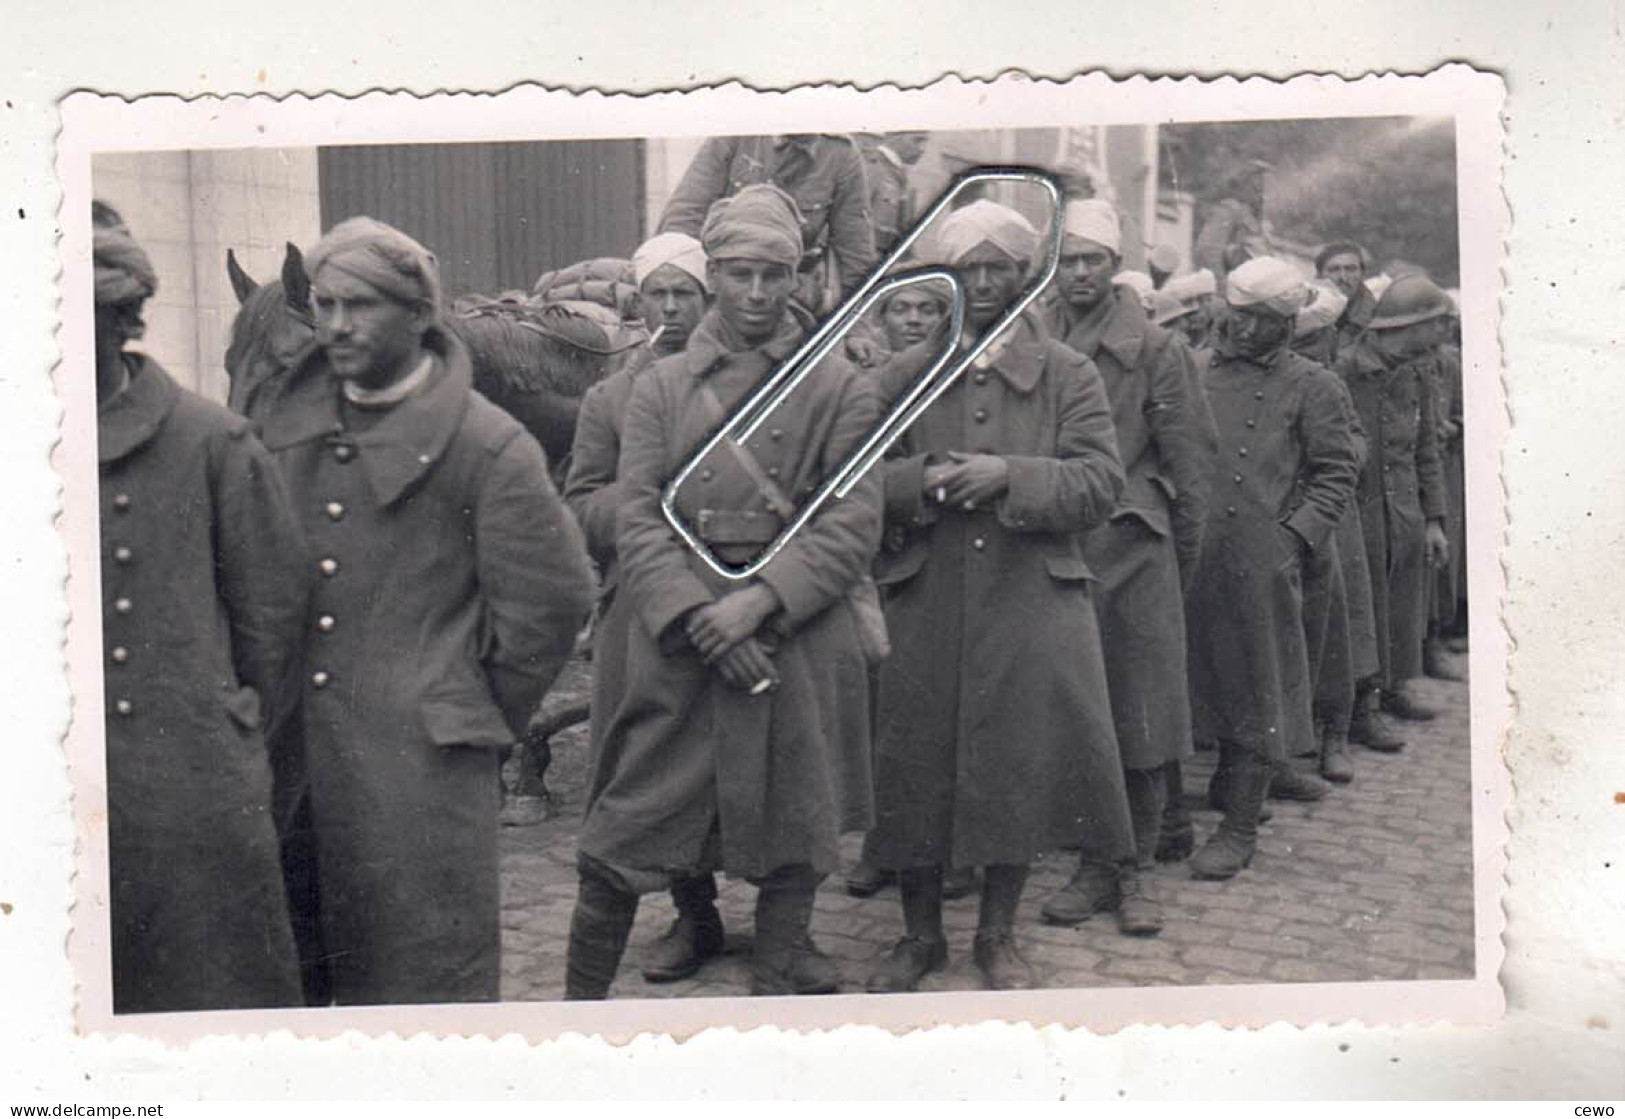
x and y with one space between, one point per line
241 282
295 284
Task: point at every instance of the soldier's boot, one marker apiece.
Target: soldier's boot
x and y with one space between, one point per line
960 882
1436 664
1218 791
924 947
1178 835
811 971
1092 889
994 949
1138 911
784 905
599 928
1335 763
865 880
1368 725
694 937
1403 702
1287 782
1230 848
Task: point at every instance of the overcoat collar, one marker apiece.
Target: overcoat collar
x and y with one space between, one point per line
406 442
133 417
1120 330
707 349
1021 360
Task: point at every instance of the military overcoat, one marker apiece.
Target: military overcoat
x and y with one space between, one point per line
995 738
691 770
450 582
204 587
1285 471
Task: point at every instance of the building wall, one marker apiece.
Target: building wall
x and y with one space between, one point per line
187 209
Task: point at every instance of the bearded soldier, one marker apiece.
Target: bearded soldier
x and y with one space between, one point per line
1285 471
451 582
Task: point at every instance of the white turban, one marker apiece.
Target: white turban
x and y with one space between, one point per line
1192 285
1268 282
1094 219
1324 308
984 221
1137 282
677 249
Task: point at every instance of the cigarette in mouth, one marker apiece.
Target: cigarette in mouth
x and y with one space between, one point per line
761 686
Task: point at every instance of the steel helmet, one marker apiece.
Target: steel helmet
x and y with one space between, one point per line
1409 299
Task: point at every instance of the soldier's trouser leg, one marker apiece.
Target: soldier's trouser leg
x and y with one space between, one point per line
605 909
995 947
1230 848
784 906
1178 836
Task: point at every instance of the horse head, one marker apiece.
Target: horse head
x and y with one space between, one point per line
272 332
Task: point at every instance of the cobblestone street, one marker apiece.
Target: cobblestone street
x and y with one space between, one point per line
1374 882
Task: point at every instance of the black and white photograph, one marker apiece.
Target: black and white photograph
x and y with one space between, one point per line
474 630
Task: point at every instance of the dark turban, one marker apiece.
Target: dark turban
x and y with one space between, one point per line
382 256
761 222
124 272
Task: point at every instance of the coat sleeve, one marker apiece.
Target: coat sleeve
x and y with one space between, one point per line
851 234
1429 471
1329 468
1351 414
263 567
1077 487
533 575
589 489
821 564
653 558
703 184
1173 419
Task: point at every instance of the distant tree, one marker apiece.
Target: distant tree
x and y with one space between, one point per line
1388 183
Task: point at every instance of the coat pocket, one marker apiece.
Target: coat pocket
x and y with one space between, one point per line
243 708
464 720
1068 569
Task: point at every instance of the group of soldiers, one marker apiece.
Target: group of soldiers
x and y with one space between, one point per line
1142 521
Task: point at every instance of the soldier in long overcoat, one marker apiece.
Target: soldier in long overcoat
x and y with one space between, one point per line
450 584
1401 491
1285 472
1140 553
823 175
204 588
885 167
1449 590
741 739
995 737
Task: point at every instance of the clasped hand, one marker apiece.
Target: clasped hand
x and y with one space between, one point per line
723 634
967 481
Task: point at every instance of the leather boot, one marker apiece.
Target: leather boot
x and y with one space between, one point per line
924 948
1402 701
1093 889
994 949
1287 782
812 972
1230 848
1138 911
1368 725
1335 764
694 937
1436 664
1217 793
784 905
865 880
599 929
1178 838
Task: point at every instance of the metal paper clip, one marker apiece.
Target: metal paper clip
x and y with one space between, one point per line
933 381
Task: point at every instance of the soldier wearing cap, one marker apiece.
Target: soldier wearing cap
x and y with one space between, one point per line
740 741
205 582
450 582
1286 469
995 738
822 173
1196 292
1141 555
1401 494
